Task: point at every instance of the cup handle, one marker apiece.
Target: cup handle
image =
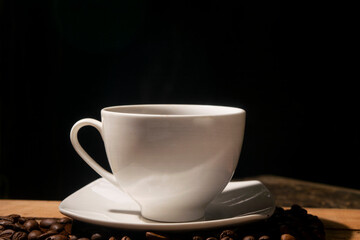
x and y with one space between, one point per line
83 154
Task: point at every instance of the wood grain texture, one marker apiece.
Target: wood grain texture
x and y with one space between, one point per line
335 234
338 218
340 224
288 191
30 208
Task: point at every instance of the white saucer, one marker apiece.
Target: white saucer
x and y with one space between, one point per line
102 203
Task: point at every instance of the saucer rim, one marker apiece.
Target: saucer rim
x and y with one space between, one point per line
170 226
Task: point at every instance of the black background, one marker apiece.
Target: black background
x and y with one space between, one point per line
291 66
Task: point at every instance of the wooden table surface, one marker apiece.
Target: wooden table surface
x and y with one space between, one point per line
289 191
339 224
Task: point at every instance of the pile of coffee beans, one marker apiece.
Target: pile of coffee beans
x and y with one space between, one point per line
290 224
15 227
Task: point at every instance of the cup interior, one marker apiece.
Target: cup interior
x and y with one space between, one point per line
173 110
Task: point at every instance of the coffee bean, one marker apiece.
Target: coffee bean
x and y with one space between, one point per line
73 237
65 220
264 237
197 238
125 238
227 238
6 218
47 222
296 209
57 237
83 238
15 217
22 220
228 233
34 234
57 227
287 237
68 227
249 237
154 236
47 234
20 236
6 223
284 229
8 233
211 238
19 227
2 227
96 236
31 225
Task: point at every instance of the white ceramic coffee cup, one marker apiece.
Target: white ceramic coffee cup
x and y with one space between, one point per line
173 160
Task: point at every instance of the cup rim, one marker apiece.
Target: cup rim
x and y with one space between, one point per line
211 110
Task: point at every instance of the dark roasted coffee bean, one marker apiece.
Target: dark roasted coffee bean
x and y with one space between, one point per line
19 227
2 227
249 237
68 227
34 234
83 238
64 220
97 236
20 236
264 237
22 220
73 237
287 237
47 234
211 238
31 225
197 238
227 233
279 211
15 217
284 229
57 237
125 238
47 222
57 227
154 236
227 238
8 224
7 218
297 210
8 233
5 221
